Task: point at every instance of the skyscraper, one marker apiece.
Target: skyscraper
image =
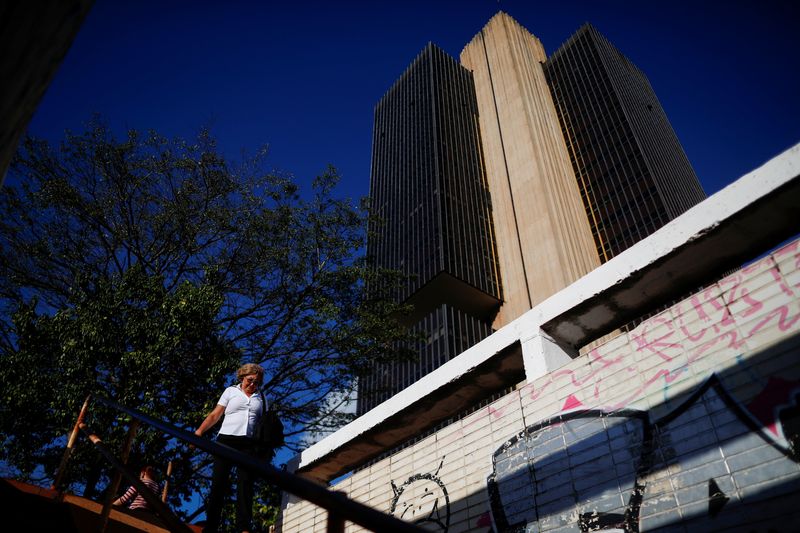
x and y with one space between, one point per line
633 174
428 187
503 181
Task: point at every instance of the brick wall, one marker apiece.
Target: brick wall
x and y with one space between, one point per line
690 422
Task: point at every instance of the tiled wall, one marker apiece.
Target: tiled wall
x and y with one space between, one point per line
688 423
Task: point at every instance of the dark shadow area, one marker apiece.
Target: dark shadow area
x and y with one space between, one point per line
26 507
41 511
35 36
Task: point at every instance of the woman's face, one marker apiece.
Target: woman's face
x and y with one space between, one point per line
250 383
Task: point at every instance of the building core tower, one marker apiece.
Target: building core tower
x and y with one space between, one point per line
543 238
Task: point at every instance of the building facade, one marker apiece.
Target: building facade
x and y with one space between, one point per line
632 172
429 193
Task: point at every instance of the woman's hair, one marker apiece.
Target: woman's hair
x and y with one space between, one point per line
149 470
249 368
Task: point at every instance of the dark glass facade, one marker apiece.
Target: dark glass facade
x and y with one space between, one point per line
632 172
428 189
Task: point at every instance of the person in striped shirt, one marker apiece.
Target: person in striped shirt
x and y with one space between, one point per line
132 497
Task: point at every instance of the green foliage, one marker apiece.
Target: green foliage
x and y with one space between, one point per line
147 269
125 338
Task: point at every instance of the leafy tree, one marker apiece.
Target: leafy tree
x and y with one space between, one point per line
125 338
147 269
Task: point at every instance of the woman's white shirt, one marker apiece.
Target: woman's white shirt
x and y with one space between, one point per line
241 411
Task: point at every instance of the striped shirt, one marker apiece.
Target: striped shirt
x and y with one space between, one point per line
138 500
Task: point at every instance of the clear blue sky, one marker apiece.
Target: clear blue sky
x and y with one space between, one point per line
303 76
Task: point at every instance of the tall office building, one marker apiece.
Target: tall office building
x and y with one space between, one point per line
428 187
633 174
503 181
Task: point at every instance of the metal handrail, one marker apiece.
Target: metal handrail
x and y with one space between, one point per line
339 506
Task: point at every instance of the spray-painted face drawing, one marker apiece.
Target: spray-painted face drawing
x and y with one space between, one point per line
422 500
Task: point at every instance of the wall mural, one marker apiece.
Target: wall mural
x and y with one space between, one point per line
693 418
720 440
527 484
717 441
591 468
669 349
423 500
689 422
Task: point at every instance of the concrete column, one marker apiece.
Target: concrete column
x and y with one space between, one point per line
542 354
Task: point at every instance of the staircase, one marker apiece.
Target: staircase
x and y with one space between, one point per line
27 507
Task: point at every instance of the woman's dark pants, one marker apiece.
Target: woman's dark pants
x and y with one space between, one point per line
220 483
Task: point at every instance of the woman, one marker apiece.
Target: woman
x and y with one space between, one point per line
239 408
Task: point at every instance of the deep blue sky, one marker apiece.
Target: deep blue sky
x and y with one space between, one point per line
303 76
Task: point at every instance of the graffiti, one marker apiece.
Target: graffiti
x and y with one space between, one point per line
689 422
565 470
688 343
423 500
601 470
680 421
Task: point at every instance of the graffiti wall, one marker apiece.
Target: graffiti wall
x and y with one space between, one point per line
690 422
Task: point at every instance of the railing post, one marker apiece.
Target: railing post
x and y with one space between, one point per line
335 522
62 467
165 490
115 481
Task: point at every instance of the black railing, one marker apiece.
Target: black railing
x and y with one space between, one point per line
340 508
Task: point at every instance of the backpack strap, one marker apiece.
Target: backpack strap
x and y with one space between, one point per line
263 403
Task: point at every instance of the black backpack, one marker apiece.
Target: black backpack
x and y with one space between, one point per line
269 430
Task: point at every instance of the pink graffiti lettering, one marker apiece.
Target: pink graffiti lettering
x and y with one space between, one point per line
656 345
712 322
